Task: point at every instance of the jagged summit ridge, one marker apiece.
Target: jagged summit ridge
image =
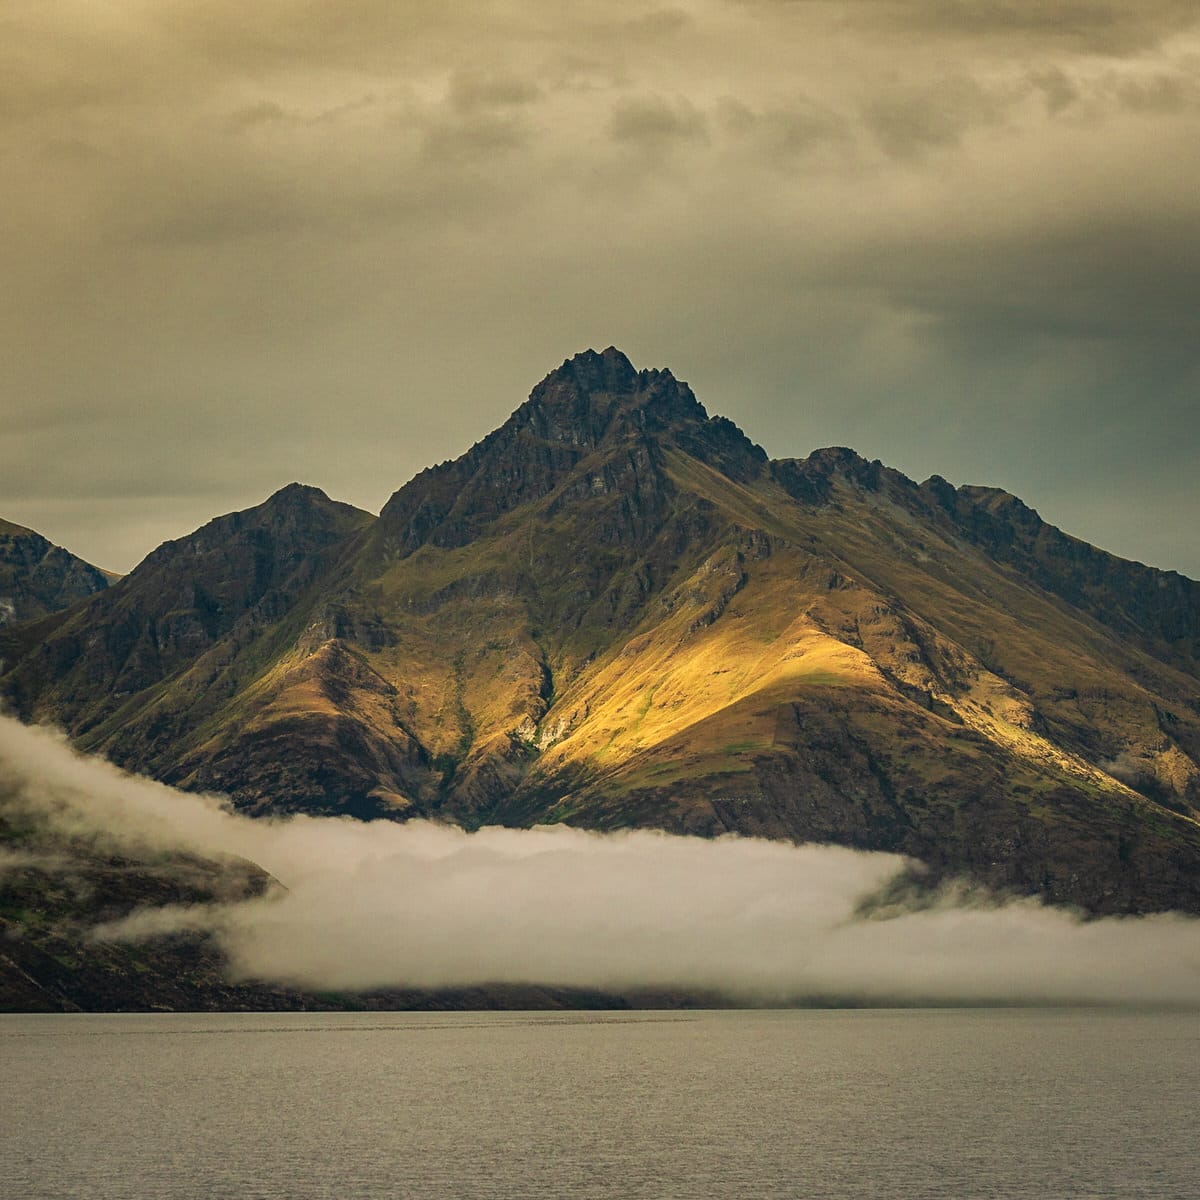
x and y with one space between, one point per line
595 406
607 371
581 401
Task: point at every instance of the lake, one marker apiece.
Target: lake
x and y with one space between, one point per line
865 1103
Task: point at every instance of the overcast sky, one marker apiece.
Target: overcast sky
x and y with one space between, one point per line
249 243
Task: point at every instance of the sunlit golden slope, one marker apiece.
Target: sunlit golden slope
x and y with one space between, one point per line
615 611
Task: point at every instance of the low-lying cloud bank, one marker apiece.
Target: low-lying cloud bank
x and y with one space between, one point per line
424 905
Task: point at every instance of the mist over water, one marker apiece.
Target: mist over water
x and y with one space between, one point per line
365 905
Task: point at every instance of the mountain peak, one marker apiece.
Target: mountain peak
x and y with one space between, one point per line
811 479
299 503
296 513
608 371
584 398
592 402
292 494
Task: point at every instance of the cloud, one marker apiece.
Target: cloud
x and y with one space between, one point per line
1100 26
656 121
660 23
471 91
936 114
784 130
1107 26
425 905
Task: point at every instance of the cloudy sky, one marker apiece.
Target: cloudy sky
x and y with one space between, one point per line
334 242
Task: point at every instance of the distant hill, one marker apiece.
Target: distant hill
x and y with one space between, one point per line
617 611
37 577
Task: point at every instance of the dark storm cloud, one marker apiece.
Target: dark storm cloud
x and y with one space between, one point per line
472 91
1058 89
909 120
655 121
245 245
1103 26
1107 26
1161 93
782 130
267 112
1110 278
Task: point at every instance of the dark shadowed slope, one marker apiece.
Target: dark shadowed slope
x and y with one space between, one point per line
37 577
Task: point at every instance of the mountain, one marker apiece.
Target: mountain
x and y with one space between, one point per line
616 611
37 577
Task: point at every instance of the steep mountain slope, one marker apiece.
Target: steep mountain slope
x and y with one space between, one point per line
149 665
614 610
37 577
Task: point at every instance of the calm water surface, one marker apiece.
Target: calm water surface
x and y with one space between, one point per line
1010 1104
